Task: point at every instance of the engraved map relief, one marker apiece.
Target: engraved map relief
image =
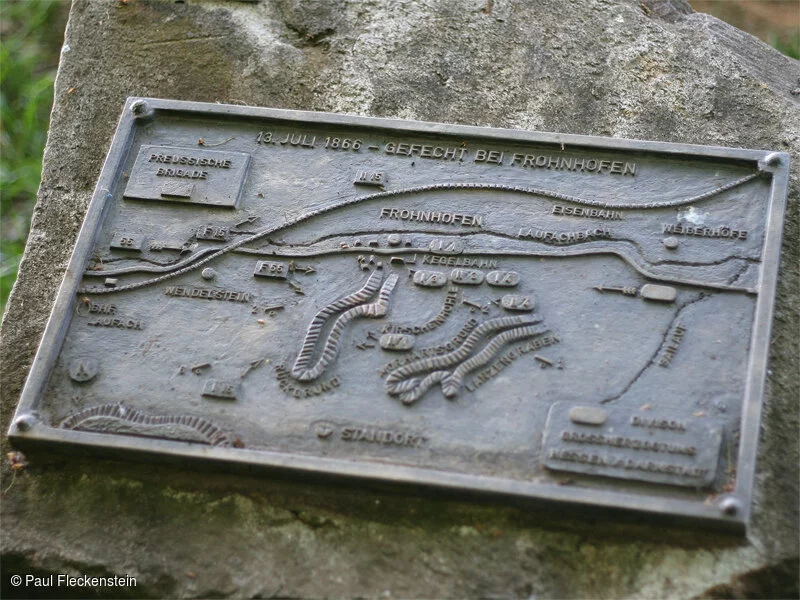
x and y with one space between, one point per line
531 311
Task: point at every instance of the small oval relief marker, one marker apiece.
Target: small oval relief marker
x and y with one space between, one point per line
662 293
521 303
430 278
587 415
502 278
397 341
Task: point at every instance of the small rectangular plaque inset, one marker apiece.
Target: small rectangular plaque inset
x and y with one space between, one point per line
271 268
653 446
177 189
373 178
127 241
189 175
225 390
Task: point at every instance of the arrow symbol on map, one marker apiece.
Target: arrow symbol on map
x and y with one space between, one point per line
308 270
628 291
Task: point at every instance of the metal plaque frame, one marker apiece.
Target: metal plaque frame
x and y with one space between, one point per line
152 164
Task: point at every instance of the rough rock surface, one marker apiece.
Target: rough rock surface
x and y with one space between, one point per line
625 68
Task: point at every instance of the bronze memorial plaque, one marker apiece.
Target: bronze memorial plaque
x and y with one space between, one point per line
573 320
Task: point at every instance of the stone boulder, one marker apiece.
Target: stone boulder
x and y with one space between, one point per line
649 69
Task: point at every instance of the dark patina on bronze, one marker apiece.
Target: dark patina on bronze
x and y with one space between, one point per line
468 309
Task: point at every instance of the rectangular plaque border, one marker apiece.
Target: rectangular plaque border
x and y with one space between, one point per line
26 432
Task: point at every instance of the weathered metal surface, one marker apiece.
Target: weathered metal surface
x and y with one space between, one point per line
673 447
408 302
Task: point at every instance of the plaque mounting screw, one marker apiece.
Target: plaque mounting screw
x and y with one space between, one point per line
730 506
25 422
773 159
140 109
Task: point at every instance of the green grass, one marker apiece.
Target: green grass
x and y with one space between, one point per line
30 37
790 48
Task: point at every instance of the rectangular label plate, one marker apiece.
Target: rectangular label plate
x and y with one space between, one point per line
190 175
411 302
651 446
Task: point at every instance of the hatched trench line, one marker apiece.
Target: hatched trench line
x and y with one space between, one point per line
394 383
214 435
314 330
331 348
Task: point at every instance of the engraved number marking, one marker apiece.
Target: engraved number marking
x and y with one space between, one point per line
466 276
519 303
397 341
335 143
268 268
430 279
213 233
127 241
446 246
376 178
220 389
502 278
